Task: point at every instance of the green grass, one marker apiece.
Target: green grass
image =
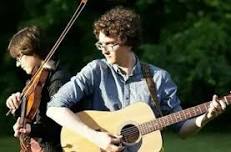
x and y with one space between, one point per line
9 144
203 142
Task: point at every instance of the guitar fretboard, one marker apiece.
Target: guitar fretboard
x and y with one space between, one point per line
170 119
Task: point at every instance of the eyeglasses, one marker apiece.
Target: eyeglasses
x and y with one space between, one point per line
109 47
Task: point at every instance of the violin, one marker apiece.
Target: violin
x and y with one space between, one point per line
31 93
31 97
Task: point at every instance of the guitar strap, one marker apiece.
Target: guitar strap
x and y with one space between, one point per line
151 85
152 88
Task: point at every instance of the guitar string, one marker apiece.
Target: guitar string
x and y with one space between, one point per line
130 130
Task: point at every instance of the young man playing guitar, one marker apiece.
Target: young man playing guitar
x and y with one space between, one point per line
116 82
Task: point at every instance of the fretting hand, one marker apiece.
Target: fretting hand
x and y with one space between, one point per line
216 107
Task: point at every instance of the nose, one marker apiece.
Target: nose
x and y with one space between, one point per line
105 50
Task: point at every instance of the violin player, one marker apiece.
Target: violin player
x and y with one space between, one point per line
27 47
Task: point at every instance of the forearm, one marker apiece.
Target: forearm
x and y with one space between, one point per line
70 120
192 126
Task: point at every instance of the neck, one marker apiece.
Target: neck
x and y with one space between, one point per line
128 63
37 64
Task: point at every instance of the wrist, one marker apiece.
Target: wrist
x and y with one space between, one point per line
88 133
201 120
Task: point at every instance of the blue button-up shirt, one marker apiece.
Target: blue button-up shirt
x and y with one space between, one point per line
106 88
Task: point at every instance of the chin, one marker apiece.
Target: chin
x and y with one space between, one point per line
28 72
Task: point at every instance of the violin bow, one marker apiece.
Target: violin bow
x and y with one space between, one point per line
76 14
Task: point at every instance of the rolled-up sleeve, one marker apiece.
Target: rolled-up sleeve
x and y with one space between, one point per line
78 87
170 102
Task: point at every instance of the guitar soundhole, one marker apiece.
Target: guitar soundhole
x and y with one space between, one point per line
130 134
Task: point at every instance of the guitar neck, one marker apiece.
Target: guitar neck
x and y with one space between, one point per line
173 118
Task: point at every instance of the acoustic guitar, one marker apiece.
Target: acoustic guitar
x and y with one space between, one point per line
136 123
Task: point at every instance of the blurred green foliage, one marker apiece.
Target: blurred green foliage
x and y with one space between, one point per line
188 38
194 46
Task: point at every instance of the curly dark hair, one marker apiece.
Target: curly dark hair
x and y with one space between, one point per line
27 41
122 23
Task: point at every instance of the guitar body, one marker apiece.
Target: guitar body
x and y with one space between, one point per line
115 123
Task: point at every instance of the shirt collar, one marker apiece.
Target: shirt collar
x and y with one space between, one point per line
51 65
135 70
